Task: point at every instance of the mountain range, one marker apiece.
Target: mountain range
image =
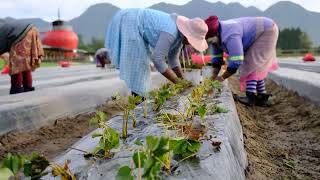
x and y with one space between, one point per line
94 21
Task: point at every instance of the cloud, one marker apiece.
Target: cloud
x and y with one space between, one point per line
47 9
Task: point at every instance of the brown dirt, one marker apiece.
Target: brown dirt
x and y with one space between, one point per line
53 139
289 130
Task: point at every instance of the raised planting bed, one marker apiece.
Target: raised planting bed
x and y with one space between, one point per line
180 133
42 107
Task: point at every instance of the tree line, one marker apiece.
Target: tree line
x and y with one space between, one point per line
293 38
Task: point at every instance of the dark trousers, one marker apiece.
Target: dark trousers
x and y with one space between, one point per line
21 80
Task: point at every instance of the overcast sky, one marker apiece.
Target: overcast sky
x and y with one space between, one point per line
47 9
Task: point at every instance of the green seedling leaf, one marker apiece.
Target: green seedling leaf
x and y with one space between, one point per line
99 117
202 111
36 166
151 172
7 162
162 148
152 142
290 163
124 173
184 147
114 139
14 162
216 85
178 146
154 173
5 173
139 159
133 101
218 109
193 146
138 142
149 163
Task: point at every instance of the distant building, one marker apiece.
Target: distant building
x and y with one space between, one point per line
60 42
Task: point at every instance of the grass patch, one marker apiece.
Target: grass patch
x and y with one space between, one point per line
49 64
2 64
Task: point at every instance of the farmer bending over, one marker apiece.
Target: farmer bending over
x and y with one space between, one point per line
251 45
131 34
102 57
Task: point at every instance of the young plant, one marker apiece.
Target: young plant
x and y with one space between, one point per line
133 101
216 85
167 91
33 167
152 157
64 172
184 147
196 108
109 138
218 109
202 110
128 110
160 98
14 163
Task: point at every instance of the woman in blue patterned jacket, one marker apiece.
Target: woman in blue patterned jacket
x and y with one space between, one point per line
133 33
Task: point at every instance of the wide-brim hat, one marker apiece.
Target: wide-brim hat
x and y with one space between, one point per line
194 30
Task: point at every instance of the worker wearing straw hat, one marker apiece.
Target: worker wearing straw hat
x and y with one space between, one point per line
132 34
250 43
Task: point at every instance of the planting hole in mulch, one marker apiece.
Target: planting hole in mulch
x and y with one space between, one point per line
283 141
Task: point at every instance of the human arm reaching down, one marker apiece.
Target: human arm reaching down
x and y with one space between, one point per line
162 50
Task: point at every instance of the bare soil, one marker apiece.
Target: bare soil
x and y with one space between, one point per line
51 140
283 141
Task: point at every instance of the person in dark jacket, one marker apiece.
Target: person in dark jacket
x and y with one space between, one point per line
22 42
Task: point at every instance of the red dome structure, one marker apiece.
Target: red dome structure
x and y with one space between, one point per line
61 37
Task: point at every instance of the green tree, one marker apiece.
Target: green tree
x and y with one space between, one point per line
305 41
293 38
96 43
93 46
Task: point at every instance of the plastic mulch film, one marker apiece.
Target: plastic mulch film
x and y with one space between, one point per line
227 164
306 84
42 107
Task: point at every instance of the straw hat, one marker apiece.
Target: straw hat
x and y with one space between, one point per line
194 30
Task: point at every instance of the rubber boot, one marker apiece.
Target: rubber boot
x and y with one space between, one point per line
262 100
249 99
27 89
16 90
